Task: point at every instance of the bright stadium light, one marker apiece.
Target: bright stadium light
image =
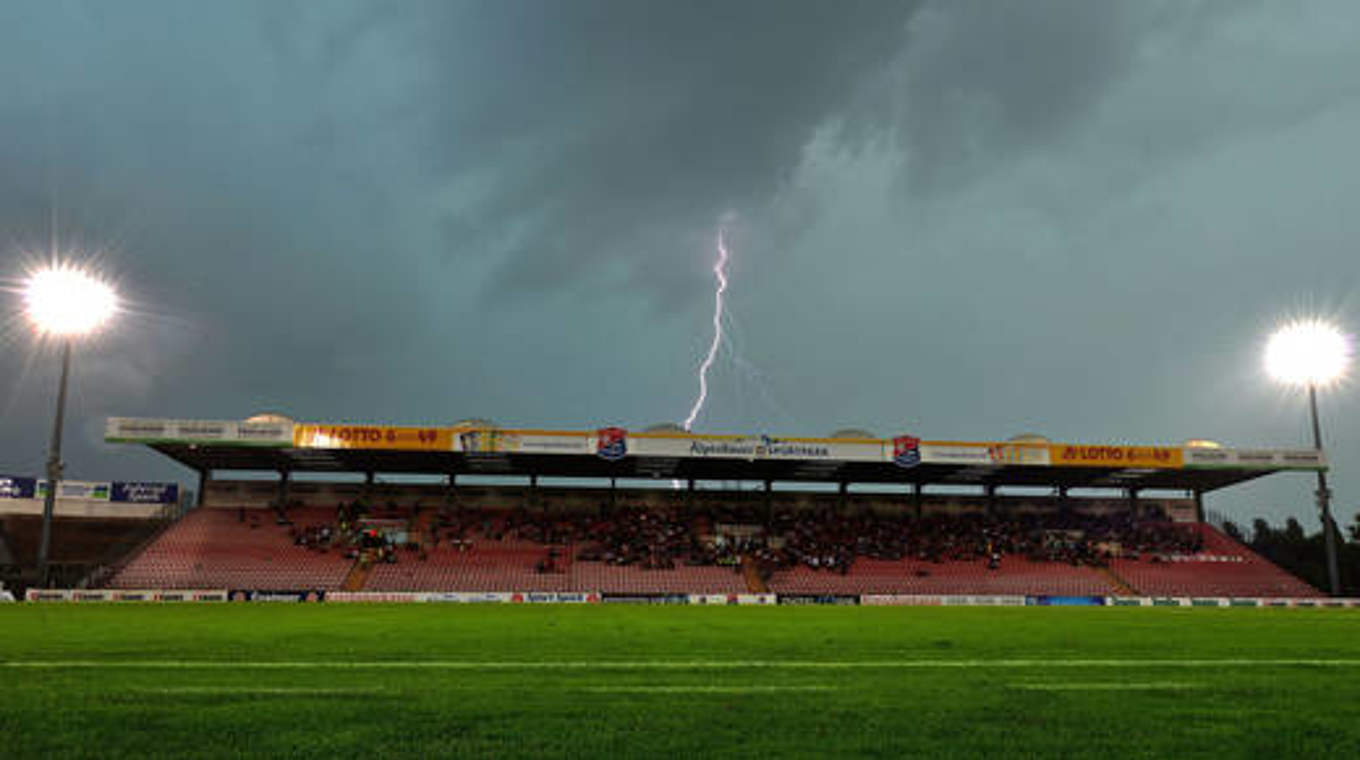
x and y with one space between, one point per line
1309 353
65 302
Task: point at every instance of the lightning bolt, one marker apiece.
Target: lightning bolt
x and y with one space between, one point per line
720 272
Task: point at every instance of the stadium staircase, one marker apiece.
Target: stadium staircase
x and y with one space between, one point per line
750 569
358 575
1120 585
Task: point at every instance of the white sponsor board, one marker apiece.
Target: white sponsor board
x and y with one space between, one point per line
555 597
495 441
374 596
1300 459
78 489
985 453
557 443
955 453
466 597
126 595
753 447
230 432
936 600
726 599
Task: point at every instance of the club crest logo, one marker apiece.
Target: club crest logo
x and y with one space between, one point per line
906 451
612 443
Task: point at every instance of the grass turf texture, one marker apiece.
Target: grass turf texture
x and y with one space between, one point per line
433 680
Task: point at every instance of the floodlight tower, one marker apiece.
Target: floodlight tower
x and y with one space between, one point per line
63 302
1309 353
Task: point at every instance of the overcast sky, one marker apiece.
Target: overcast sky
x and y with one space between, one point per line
962 220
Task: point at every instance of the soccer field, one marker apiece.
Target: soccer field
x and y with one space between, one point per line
620 681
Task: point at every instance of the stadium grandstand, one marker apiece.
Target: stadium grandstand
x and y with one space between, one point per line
316 507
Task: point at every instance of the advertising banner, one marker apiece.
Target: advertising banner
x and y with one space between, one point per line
465 597
144 493
18 488
555 597
616 598
222 432
486 441
956 453
732 599
1045 600
125 595
965 453
806 599
1157 457
1297 459
77 489
900 600
253 595
373 596
386 437
546 442
1019 453
753 447
495 441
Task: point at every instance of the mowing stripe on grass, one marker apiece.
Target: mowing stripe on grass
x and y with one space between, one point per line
679 664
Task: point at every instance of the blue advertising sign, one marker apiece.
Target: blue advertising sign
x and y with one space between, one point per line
145 493
18 488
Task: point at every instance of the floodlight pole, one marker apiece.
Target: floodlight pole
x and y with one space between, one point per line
53 468
1324 499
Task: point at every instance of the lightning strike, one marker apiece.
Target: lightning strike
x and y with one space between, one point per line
720 272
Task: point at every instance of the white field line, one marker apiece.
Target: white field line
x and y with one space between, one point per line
252 691
1116 686
908 664
682 689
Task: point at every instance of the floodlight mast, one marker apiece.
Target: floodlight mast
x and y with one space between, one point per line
1312 353
1324 500
54 468
65 302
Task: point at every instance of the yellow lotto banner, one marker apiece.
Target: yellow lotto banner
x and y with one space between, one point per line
372 437
1078 455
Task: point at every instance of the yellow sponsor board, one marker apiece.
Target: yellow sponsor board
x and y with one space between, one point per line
372 437
1081 455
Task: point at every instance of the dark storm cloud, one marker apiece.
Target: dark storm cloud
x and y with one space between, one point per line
618 129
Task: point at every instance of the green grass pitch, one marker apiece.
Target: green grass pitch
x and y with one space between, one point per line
375 681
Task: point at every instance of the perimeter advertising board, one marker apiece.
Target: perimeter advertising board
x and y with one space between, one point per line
78 489
144 493
18 488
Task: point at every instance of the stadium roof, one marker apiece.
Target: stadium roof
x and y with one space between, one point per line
280 445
